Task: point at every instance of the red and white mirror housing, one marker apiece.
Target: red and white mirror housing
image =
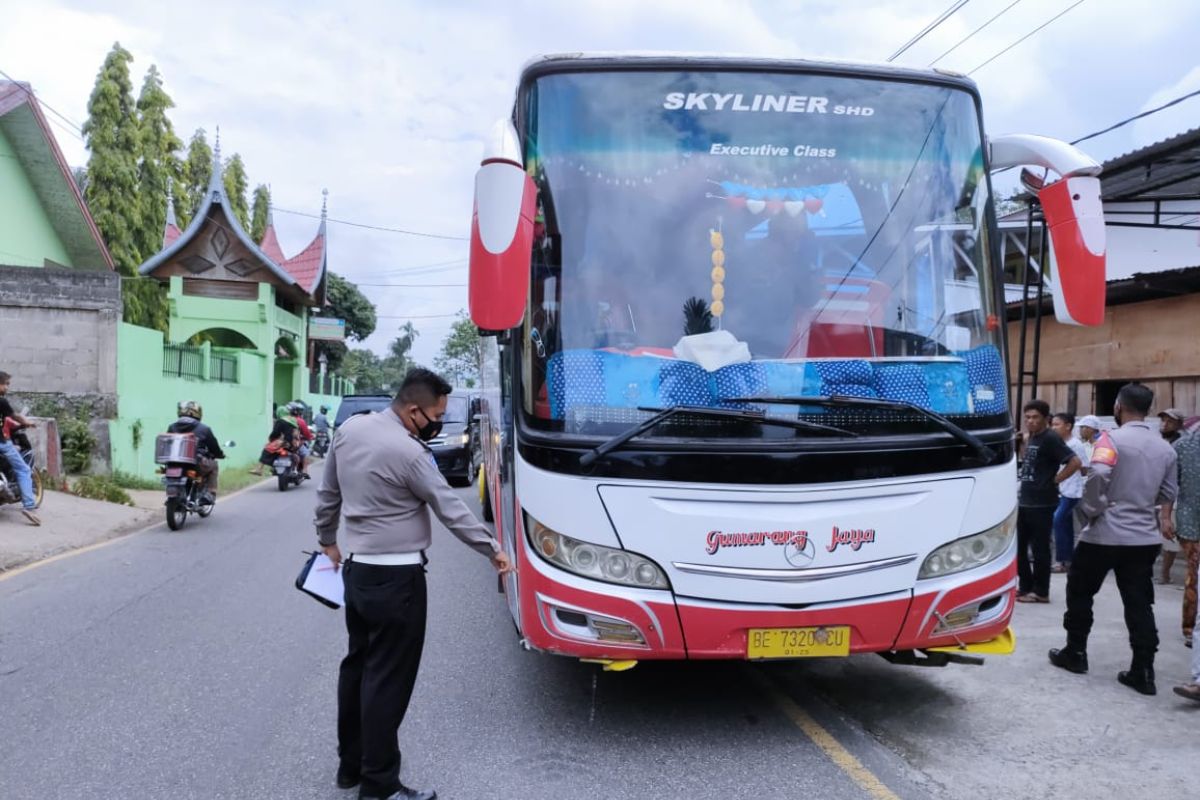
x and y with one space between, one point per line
501 234
1074 217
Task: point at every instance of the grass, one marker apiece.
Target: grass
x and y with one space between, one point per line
234 478
98 487
128 481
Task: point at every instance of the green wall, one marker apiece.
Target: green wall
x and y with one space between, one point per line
26 235
240 411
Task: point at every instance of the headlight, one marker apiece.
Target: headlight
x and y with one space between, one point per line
593 560
970 551
464 438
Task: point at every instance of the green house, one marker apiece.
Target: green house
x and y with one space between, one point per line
238 333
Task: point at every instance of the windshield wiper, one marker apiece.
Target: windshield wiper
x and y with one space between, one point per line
966 437
661 414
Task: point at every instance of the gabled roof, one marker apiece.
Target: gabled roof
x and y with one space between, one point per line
26 128
269 252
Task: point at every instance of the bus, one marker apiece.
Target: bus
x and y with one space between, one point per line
744 380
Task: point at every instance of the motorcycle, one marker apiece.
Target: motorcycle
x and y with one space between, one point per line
287 472
176 453
10 492
321 444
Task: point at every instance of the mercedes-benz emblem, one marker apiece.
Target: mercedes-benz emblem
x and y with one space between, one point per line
800 556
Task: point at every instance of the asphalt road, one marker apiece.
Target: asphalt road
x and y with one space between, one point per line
184 665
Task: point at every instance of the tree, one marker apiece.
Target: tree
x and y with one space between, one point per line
374 375
348 303
398 361
461 352
158 161
259 210
111 135
197 173
235 187
365 369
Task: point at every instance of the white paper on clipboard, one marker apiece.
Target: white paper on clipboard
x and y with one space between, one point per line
325 579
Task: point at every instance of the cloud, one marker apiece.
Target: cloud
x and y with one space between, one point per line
386 104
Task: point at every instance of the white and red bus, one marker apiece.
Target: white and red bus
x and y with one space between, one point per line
745 388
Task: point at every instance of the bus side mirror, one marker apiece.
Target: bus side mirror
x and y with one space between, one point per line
1075 220
501 244
1074 217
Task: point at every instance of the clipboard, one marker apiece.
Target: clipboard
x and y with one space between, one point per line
320 579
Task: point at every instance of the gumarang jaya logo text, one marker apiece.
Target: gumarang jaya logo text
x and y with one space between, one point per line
854 538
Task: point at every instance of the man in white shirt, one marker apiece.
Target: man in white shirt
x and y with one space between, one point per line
1069 492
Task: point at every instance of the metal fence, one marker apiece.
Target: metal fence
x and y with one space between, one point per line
223 368
182 361
185 361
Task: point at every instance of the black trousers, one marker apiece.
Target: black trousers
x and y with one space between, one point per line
1034 528
1134 568
385 617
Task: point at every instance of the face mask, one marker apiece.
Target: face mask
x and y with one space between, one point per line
430 429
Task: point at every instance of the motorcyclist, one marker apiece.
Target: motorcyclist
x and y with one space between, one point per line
208 449
321 423
306 436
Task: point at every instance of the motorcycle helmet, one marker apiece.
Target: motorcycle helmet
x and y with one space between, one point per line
324 409
190 408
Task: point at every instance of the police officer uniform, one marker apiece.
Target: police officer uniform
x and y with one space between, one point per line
1132 472
380 481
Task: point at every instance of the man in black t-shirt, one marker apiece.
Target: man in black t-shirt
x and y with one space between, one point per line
1047 462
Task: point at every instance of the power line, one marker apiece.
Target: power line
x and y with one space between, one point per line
415 316
928 29
1136 117
75 128
972 33
353 224
1026 36
417 285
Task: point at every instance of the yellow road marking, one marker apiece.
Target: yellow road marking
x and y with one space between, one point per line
823 739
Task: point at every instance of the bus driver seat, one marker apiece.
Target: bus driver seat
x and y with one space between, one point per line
847 321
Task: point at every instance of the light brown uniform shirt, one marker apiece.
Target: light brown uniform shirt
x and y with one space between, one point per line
380 481
1125 485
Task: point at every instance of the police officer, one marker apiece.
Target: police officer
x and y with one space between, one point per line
1132 472
380 480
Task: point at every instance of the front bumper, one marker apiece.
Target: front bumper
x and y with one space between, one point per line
453 462
560 613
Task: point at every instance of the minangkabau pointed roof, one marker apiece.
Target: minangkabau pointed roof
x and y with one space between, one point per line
303 273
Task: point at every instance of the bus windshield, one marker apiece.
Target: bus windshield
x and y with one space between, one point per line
708 236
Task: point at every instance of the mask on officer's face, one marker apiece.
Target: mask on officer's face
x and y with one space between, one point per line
430 429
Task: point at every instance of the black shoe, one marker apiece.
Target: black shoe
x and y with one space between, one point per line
1070 660
405 793
1139 679
346 780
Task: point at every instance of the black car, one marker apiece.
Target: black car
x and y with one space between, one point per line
355 404
452 447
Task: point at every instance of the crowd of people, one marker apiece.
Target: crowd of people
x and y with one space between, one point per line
1094 501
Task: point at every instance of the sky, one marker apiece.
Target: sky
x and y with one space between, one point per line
387 104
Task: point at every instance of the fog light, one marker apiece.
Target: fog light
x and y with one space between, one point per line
613 631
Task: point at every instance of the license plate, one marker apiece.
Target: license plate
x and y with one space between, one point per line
830 640
174 472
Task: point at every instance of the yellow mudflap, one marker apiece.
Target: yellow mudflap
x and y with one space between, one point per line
1003 645
609 665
